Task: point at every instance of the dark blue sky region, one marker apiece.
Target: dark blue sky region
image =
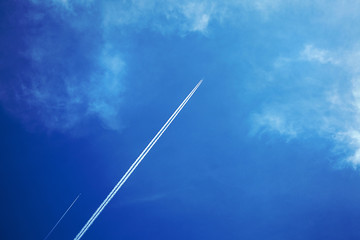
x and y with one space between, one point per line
267 148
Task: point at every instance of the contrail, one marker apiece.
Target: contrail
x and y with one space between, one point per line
62 217
134 165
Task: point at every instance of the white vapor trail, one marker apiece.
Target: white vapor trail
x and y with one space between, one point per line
134 165
62 217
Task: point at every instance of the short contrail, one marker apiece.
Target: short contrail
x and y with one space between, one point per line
134 165
62 217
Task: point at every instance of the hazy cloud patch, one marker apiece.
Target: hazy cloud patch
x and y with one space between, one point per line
316 102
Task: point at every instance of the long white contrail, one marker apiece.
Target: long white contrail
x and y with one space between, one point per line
62 217
134 165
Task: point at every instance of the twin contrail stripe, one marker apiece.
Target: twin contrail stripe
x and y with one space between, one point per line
134 165
62 217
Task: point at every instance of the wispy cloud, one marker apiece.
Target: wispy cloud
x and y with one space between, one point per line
311 53
75 78
169 16
76 68
166 17
324 101
61 95
273 121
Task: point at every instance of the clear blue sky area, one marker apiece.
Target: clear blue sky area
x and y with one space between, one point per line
267 148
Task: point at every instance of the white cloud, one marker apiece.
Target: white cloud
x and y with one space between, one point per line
59 90
99 93
169 16
106 88
166 17
60 95
351 138
267 6
272 121
198 15
65 4
311 53
317 104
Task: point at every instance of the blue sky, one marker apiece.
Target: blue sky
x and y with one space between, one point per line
268 147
